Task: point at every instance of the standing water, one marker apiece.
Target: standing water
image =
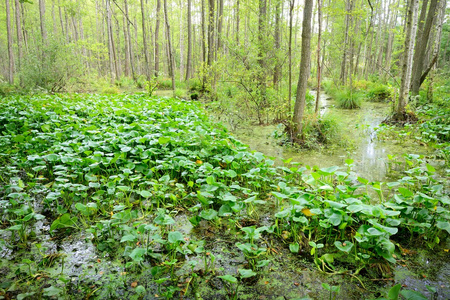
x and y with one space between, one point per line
370 154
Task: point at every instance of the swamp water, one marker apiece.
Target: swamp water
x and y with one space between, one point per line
359 126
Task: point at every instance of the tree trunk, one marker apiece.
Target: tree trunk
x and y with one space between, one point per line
10 44
237 22
211 33
277 68
300 101
291 20
189 49
42 19
343 74
111 47
262 52
147 67
411 29
128 41
319 35
421 47
19 33
219 26
169 43
158 19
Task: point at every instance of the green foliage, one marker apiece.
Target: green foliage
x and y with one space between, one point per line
379 93
348 99
128 171
49 66
324 131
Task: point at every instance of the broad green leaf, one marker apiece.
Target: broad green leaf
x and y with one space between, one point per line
175 236
229 278
246 273
345 246
208 214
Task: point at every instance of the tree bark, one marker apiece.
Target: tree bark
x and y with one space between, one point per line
19 33
277 68
411 29
128 41
147 67
111 47
343 74
211 33
300 100
262 51
319 35
237 22
291 20
42 19
10 44
158 20
421 47
169 43
189 46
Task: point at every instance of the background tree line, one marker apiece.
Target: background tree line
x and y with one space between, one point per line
222 46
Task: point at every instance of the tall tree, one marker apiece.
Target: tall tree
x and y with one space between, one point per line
411 29
277 68
291 21
169 45
147 67
300 99
421 47
158 20
42 19
19 32
189 49
262 51
10 44
113 64
319 35
211 32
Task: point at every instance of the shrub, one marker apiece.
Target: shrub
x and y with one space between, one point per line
323 131
50 65
379 93
348 99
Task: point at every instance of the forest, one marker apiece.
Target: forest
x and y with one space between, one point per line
224 149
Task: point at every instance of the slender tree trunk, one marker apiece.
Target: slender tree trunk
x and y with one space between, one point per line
237 22
181 47
411 29
277 68
128 44
319 35
147 67
19 33
300 99
262 52
111 47
10 44
211 33
421 47
61 21
42 19
158 19
291 20
219 26
343 74
169 43
189 49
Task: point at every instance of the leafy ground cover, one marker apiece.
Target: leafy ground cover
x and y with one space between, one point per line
137 197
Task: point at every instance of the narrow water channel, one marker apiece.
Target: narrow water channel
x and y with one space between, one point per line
358 127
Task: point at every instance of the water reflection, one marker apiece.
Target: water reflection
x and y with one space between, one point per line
369 153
